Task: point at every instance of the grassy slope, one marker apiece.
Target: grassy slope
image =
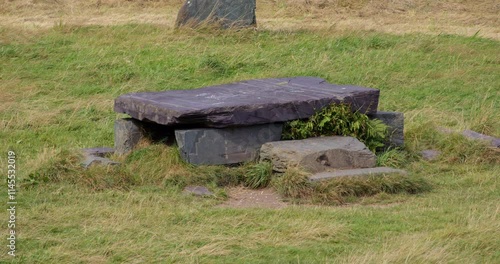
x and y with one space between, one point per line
57 93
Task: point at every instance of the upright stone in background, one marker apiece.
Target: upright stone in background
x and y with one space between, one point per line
211 146
225 13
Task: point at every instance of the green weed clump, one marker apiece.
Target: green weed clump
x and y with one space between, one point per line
338 119
295 185
258 175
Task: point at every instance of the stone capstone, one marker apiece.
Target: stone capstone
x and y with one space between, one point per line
377 171
395 127
318 154
211 146
224 13
245 103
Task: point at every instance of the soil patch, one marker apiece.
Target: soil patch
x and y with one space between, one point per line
240 197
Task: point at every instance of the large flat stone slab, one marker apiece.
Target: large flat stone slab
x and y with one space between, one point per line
355 173
224 13
212 146
245 103
318 154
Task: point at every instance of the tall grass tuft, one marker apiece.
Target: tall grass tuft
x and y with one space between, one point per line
295 185
258 175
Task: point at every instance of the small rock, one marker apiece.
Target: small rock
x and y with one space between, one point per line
470 134
430 154
198 191
494 142
90 160
99 151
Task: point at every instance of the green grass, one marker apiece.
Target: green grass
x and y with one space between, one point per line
57 89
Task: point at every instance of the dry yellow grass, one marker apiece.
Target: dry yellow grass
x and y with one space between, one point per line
463 17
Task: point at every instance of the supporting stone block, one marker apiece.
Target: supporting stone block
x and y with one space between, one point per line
395 123
128 133
318 154
211 146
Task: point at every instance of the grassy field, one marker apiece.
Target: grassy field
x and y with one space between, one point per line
58 82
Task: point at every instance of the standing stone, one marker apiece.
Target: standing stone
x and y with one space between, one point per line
225 146
395 122
128 133
318 154
225 13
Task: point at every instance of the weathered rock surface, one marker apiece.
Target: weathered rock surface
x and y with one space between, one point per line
355 173
245 103
225 13
198 191
128 133
318 154
213 146
395 123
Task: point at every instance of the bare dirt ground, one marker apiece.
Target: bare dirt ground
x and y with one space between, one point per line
462 17
240 197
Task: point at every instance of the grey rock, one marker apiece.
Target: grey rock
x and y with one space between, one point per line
198 191
318 154
225 13
493 141
245 103
470 134
99 151
395 123
355 173
90 160
128 133
213 146
430 154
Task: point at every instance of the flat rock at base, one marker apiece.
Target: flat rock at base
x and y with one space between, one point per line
245 103
198 191
355 173
225 13
318 154
212 146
